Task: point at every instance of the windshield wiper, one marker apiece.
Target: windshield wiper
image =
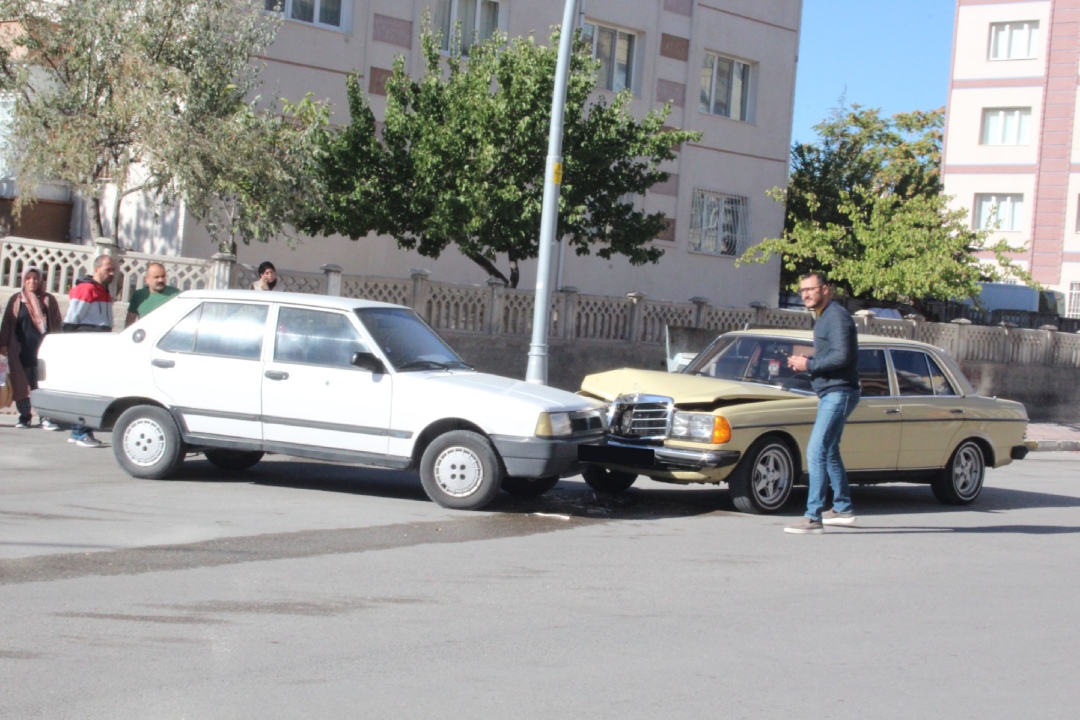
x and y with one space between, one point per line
435 365
424 365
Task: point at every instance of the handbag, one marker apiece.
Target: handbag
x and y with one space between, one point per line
7 394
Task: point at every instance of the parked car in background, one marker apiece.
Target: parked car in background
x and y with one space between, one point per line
738 414
235 374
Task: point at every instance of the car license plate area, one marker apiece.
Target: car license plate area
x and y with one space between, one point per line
616 455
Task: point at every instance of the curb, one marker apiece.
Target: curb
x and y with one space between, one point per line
1056 446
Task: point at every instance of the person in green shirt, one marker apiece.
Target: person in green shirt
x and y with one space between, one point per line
156 293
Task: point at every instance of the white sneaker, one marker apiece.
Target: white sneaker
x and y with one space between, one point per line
834 518
86 440
47 424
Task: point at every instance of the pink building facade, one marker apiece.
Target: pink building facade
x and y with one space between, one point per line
1012 143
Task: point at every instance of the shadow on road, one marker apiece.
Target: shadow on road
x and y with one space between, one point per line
573 498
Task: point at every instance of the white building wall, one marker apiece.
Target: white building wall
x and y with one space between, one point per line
739 158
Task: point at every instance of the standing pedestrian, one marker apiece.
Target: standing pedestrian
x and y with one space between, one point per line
30 315
90 310
156 293
268 278
834 376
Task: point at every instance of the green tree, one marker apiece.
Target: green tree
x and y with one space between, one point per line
152 96
460 159
865 205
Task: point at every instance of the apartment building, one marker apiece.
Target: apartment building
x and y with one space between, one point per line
1012 156
726 66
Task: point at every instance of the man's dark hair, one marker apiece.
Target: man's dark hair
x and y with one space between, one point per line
100 260
266 265
816 274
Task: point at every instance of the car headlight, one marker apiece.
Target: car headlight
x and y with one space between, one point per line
567 424
700 427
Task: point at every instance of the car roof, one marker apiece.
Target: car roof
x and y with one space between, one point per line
292 298
808 336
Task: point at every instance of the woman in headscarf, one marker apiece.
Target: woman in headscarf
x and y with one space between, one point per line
30 315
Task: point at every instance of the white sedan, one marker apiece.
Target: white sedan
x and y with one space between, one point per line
234 374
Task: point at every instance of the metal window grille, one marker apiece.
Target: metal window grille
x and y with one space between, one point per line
1073 308
719 223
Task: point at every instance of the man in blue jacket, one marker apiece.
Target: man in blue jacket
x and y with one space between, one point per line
834 375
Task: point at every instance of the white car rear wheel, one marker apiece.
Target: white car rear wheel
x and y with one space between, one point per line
147 443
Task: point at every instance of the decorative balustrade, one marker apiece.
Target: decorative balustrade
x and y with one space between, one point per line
496 310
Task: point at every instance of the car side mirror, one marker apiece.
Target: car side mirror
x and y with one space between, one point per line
368 361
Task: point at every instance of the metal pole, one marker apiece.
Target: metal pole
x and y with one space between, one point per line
549 217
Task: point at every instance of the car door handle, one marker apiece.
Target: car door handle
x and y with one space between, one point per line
957 411
892 411
163 363
276 374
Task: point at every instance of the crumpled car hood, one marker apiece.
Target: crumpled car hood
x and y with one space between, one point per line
683 389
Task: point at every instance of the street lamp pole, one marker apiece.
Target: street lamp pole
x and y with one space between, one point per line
549 218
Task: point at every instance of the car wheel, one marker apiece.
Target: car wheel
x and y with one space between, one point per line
530 487
961 481
233 460
762 481
147 444
604 480
461 470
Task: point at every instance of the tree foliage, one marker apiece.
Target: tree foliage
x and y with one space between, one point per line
865 205
152 95
460 159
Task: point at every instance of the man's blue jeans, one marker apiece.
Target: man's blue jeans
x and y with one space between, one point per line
823 453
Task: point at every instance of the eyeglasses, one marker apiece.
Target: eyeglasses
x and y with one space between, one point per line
810 289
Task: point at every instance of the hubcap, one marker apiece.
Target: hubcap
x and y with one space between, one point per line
458 471
144 442
967 470
772 475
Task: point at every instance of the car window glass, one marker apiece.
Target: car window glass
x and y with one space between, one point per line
406 340
315 337
942 386
873 373
912 372
182 336
231 329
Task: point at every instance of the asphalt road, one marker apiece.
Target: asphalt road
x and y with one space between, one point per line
302 589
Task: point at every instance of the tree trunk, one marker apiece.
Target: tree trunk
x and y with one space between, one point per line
92 214
489 267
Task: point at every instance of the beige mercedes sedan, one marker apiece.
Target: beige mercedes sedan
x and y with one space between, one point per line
738 414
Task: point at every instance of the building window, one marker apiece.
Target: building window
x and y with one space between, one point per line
1006 126
479 20
1014 40
1073 308
719 223
615 51
317 12
725 87
999 212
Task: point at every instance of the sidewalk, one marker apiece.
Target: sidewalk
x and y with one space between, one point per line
1053 436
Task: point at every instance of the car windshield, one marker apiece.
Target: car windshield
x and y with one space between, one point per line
407 341
753 359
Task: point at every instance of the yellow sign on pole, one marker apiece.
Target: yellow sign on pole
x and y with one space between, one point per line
556 173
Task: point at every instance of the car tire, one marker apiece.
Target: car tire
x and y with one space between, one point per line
604 480
761 483
529 487
147 443
961 481
461 470
233 460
